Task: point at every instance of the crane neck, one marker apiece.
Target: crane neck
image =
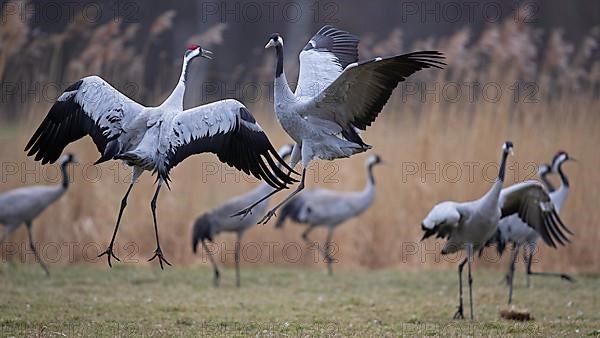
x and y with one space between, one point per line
282 88
367 195
65 175
493 194
564 181
175 100
546 181
502 169
560 195
279 64
371 177
369 191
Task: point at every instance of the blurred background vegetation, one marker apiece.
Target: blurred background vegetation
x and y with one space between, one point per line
528 72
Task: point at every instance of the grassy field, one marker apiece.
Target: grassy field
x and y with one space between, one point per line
84 300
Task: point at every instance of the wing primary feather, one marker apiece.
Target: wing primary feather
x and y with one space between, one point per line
67 121
560 222
560 236
286 179
546 234
244 146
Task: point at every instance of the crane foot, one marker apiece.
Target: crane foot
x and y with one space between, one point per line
244 212
109 253
459 313
158 253
267 217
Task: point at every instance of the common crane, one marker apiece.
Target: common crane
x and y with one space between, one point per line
219 220
323 207
23 205
156 138
336 96
512 229
468 225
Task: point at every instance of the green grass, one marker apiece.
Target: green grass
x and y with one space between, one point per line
125 301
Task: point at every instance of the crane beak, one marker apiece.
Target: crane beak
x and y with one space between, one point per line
205 53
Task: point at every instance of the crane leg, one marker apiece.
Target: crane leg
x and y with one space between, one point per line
35 253
314 244
217 274
109 251
527 255
271 212
158 252
460 311
248 210
510 266
511 272
328 257
563 276
237 259
469 261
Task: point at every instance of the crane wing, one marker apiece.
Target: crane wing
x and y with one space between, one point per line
531 202
324 58
91 107
357 96
442 220
227 129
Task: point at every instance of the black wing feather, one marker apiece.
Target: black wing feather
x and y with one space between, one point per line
341 43
535 209
242 148
364 89
390 72
67 122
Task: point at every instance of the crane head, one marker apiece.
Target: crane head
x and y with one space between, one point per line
194 50
68 159
374 159
285 150
274 40
508 147
560 158
544 169
203 230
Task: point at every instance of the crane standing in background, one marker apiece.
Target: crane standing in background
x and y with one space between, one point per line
23 205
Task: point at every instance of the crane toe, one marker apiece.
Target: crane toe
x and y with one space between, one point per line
161 258
267 217
459 313
109 253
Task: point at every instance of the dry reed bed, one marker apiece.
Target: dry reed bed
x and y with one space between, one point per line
414 129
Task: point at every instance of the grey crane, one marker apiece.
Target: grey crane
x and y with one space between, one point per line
468 225
512 229
336 96
156 138
219 220
323 207
23 205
